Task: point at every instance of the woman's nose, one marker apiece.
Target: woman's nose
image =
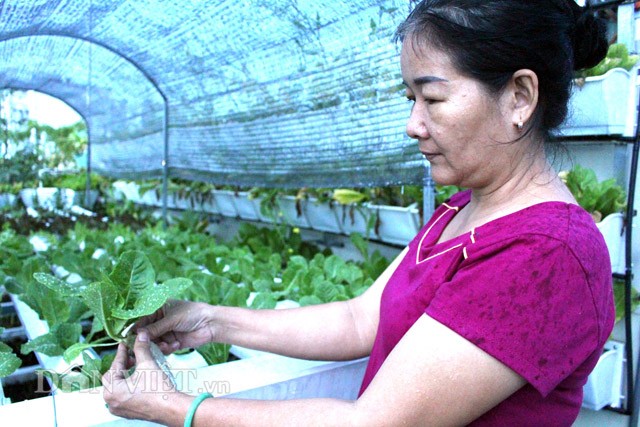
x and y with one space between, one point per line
416 126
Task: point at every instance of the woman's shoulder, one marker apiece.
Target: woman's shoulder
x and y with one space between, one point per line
562 225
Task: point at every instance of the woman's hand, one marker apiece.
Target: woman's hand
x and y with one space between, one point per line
178 324
143 394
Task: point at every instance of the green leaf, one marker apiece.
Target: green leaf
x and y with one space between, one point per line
9 362
102 299
214 353
263 300
309 300
75 350
332 267
263 285
327 291
61 287
133 273
152 298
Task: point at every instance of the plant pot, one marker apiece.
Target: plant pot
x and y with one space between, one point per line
604 105
224 202
290 215
206 202
181 202
47 197
257 201
245 206
151 198
79 199
397 225
355 218
7 200
604 384
126 190
612 229
323 216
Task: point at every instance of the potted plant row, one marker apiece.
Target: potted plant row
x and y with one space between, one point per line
62 191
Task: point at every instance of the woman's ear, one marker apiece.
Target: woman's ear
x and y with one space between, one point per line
524 100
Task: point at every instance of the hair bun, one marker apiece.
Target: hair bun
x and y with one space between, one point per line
589 39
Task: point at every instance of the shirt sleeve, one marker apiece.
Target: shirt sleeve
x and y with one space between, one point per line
527 302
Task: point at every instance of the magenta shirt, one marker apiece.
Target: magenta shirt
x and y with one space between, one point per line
533 289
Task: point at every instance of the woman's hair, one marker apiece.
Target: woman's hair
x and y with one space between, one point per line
489 40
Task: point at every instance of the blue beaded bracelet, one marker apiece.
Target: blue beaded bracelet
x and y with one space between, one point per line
194 406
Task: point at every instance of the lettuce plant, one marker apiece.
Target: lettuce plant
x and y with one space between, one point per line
9 362
600 198
128 293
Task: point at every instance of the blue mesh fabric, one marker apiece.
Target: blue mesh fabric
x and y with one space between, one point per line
280 93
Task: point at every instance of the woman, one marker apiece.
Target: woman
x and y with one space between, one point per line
498 310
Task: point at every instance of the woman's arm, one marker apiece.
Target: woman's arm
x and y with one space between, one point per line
432 377
335 331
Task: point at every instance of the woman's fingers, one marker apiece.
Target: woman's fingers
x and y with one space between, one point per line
118 367
141 348
160 327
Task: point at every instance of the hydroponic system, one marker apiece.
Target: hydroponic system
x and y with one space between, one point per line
244 153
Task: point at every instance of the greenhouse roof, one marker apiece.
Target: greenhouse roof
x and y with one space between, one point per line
252 92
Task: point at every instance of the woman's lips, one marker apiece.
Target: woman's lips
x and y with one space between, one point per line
430 156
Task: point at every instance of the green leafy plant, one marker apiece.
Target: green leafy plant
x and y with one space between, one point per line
128 293
600 198
9 362
617 57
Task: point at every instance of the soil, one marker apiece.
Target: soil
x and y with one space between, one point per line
10 321
27 390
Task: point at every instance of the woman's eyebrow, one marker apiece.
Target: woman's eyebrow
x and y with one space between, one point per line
419 81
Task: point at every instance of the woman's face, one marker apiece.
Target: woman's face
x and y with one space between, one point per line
460 128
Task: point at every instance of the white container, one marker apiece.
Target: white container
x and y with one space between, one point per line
224 202
28 197
604 384
397 225
47 197
323 216
354 219
263 218
7 200
604 105
206 202
267 378
245 206
181 202
612 229
290 214
79 199
151 198
127 190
